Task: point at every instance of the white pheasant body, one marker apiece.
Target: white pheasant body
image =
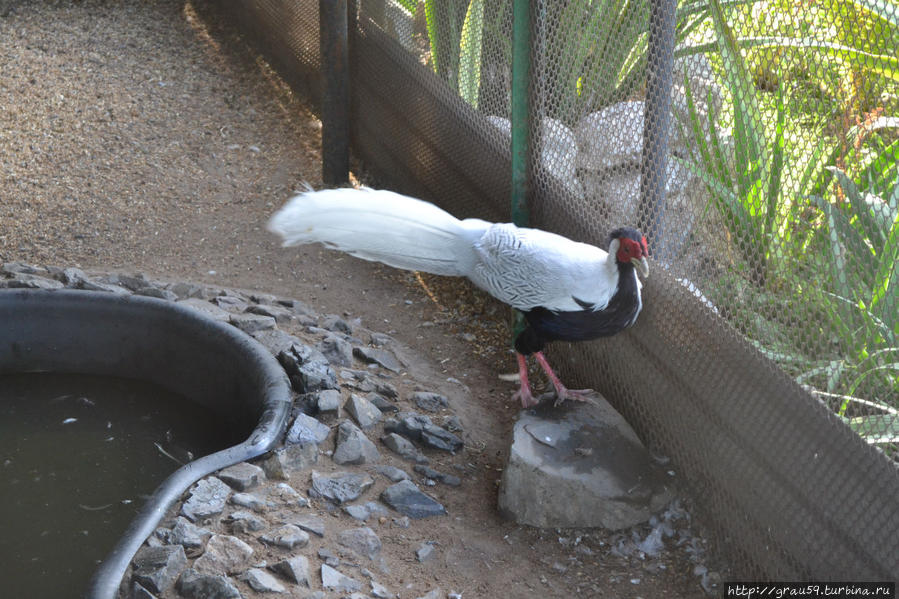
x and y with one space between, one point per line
525 268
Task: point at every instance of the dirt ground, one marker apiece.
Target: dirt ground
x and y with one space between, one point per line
143 136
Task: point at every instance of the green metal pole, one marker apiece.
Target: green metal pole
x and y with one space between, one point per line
520 115
521 74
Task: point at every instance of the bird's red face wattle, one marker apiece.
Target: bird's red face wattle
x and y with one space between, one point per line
632 250
635 252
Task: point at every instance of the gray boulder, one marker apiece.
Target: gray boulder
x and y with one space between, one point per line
579 466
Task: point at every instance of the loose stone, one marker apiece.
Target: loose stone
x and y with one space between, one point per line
337 351
425 551
392 472
362 541
328 403
245 522
430 402
334 580
189 536
403 447
224 553
284 494
306 429
242 476
381 357
295 569
353 447
197 585
340 487
207 498
157 568
407 499
250 501
263 582
286 537
310 523
364 412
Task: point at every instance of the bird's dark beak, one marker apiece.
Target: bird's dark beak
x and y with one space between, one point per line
641 265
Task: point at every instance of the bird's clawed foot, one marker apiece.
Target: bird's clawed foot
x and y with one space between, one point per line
526 397
524 391
563 393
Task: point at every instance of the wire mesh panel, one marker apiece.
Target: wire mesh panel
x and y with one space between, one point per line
766 359
287 34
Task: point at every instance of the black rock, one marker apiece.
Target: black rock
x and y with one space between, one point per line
195 585
307 368
26 281
157 568
403 447
431 402
381 357
276 340
408 500
408 424
439 438
157 292
251 323
385 389
337 351
188 535
392 472
230 302
447 479
353 447
382 403
332 322
279 313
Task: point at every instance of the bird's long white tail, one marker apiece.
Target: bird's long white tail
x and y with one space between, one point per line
381 226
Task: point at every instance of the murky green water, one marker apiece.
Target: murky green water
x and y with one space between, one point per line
78 456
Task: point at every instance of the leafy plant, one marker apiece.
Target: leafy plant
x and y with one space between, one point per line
455 36
862 239
789 218
745 188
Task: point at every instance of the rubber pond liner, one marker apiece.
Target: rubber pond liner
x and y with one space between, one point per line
210 362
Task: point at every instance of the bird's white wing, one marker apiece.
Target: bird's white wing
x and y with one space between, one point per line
529 268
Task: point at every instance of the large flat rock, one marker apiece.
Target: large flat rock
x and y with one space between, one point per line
579 465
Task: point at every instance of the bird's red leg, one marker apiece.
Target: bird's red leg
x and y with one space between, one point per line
524 392
562 392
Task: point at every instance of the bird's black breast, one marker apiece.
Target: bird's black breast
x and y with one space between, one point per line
582 325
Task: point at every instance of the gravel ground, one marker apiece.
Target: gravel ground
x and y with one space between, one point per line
142 136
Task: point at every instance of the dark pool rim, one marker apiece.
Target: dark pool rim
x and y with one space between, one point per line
174 346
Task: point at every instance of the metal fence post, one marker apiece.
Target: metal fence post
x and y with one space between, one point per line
657 120
336 91
520 110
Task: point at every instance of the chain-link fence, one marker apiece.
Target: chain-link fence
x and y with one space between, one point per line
766 361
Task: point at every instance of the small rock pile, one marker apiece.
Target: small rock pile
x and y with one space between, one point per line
271 526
